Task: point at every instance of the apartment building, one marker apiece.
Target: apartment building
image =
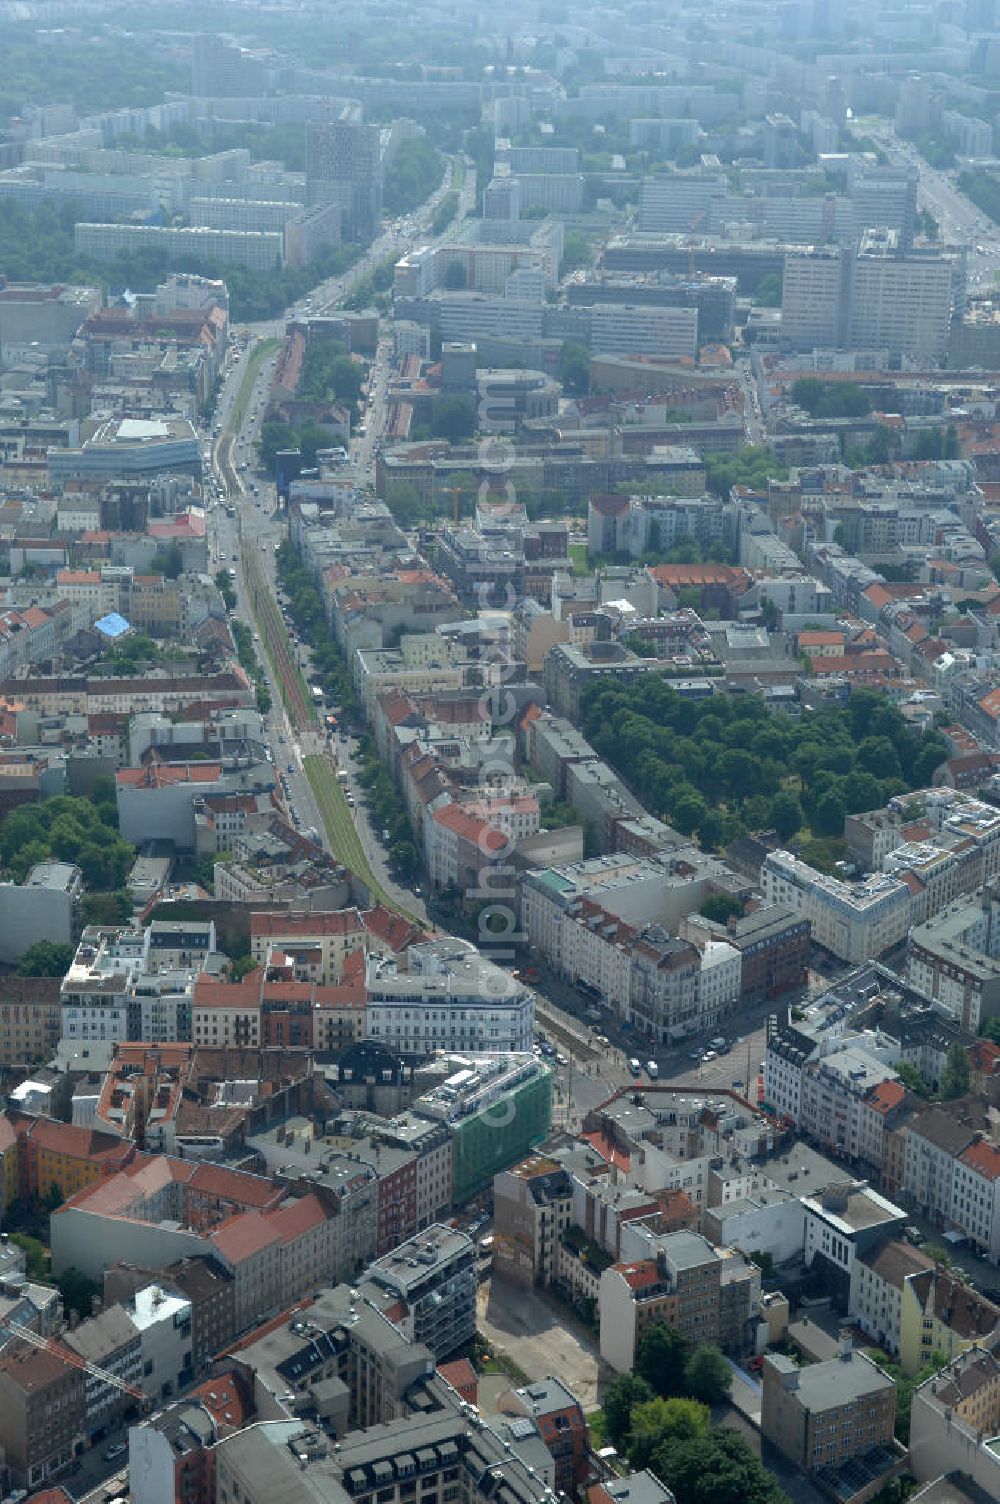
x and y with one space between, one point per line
854 921
30 1019
110 1341
842 1222
678 1284
772 944
954 957
258 250
913 1307
532 1207
446 997
951 1169
954 1421
557 1413
434 1274
825 1414
317 944
42 1413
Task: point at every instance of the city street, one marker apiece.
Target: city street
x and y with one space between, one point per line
958 218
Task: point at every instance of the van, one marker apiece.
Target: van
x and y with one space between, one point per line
635 1068
718 1044
652 1070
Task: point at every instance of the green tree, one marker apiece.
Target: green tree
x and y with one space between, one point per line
768 292
912 1079
168 561
660 1359
707 1376
574 368
715 1469
785 815
577 252
955 1078
660 1420
721 907
78 1292
623 1395
454 419
274 436
107 908
38 1263
688 812
46 958
413 173
829 815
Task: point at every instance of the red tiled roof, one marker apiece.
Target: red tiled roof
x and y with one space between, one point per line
886 1096
161 775
243 1236
983 1158
640 1276
299 1216
474 831
607 1150
227 1399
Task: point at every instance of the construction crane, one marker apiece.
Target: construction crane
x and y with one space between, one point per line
66 1355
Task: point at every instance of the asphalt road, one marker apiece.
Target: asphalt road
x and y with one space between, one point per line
960 221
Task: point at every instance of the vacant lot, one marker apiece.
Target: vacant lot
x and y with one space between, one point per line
536 1334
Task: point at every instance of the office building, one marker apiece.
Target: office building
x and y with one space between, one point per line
258 250
434 1275
900 303
344 167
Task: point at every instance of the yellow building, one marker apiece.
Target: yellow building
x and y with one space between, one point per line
30 1022
940 1314
8 1165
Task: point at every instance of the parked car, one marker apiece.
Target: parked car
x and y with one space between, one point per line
120 1449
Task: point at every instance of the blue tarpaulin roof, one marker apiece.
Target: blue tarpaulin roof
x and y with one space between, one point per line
112 625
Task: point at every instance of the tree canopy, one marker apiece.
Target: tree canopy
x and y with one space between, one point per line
64 829
413 173
46 958
658 1420
831 399
728 756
